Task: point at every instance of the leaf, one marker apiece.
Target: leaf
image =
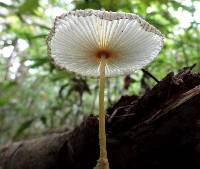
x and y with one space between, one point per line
43 120
8 84
23 127
38 62
29 7
177 5
6 5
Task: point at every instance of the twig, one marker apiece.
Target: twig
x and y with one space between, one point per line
150 75
113 115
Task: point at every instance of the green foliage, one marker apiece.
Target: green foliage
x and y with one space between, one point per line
22 128
29 7
36 97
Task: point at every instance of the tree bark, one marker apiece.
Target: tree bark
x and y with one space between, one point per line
159 130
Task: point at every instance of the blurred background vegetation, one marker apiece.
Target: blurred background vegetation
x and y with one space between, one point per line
36 98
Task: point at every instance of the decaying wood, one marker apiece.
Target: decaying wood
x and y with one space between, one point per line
157 131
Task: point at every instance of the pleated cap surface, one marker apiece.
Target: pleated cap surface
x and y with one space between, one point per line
79 39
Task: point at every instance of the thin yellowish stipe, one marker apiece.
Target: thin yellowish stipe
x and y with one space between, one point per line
103 161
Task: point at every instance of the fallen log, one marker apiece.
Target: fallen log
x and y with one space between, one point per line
159 130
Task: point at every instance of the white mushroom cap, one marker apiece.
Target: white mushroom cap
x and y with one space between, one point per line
80 38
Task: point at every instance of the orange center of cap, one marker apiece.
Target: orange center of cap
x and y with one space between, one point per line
103 53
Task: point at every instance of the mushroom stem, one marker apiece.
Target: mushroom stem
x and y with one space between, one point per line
103 161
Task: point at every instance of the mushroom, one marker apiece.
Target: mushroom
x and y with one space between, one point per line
102 44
